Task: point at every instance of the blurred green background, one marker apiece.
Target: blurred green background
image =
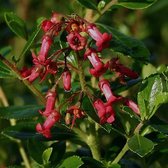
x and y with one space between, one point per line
149 25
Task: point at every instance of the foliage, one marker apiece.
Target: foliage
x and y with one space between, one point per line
77 116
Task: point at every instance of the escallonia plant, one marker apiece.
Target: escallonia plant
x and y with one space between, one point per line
79 65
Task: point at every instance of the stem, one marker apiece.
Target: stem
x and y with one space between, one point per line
121 154
138 128
81 74
12 123
26 82
93 143
107 7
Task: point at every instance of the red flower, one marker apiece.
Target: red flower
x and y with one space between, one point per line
76 112
76 41
102 40
132 105
56 17
105 88
105 113
35 72
50 103
121 70
66 76
99 67
48 124
46 44
50 68
47 25
25 72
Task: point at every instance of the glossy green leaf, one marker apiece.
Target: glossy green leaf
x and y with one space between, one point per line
27 131
138 4
126 45
46 155
90 162
140 145
151 96
91 4
72 162
32 38
35 149
16 24
160 128
87 106
20 112
58 152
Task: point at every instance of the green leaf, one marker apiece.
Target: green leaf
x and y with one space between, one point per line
126 45
91 4
20 112
101 5
160 128
138 4
58 152
16 24
5 50
90 162
35 149
32 38
6 73
140 145
27 131
72 162
87 106
46 155
151 96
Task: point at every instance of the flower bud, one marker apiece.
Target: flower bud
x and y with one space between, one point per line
66 80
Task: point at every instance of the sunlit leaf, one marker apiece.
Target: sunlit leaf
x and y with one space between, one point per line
151 96
72 162
46 155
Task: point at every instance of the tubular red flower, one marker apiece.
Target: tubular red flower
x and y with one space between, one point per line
66 76
56 17
95 61
105 112
76 41
35 73
96 73
102 40
25 72
132 105
50 103
46 25
48 124
121 70
99 106
105 88
46 44
99 67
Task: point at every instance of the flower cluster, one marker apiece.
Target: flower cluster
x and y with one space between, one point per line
84 38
